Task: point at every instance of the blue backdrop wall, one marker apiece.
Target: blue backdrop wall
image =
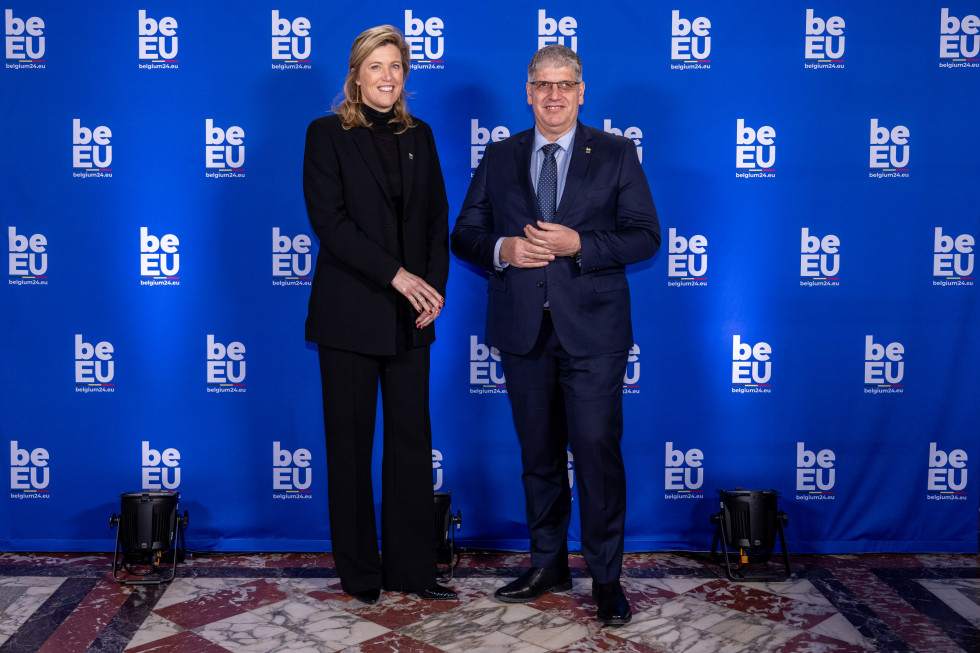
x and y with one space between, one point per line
810 324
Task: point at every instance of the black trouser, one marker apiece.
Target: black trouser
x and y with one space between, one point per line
350 389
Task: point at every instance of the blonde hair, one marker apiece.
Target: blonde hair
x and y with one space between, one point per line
367 42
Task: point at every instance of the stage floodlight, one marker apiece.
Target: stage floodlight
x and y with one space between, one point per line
147 537
447 556
748 523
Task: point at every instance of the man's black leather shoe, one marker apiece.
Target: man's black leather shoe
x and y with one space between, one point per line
533 583
367 596
436 593
612 608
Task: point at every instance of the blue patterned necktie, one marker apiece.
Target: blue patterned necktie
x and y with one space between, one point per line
548 182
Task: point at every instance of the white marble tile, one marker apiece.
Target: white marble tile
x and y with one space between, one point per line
548 631
154 627
481 625
316 620
740 630
675 637
32 581
675 585
252 633
838 627
188 589
688 625
940 560
798 590
494 643
306 585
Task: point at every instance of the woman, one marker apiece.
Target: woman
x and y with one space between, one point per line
375 196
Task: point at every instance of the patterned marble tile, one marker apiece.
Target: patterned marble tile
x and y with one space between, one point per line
251 632
395 643
744 598
23 596
681 602
89 618
333 629
839 629
185 642
153 629
480 624
961 595
209 608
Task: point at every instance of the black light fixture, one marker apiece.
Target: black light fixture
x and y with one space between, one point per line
447 556
748 523
147 537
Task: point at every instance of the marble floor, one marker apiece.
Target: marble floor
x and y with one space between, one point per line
68 603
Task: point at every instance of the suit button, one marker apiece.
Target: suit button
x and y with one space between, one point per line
540 284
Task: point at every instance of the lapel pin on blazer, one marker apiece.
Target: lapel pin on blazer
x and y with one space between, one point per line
588 150
411 157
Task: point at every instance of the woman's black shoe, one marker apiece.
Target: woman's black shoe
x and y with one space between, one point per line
436 593
367 596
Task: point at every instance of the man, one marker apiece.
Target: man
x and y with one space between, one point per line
554 214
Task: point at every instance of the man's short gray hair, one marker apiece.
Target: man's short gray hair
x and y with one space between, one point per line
554 56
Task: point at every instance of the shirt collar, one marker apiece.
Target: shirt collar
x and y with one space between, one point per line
565 141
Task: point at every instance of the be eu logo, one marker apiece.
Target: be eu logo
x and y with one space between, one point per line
27 259
426 43
159 259
889 151
952 259
161 470
224 150
94 366
631 379
291 259
819 260
557 30
755 150
884 367
633 133
291 473
751 367
157 41
226 366
23 41
29 472
480 136
690 42
683 473
91 150
687 259
815 473
437 469
291 42
824 41
959 40
947 474
486 372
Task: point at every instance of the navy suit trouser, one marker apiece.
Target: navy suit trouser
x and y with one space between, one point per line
561 401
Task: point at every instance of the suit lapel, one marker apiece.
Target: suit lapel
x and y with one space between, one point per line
365 146
523 163
407 153
578 166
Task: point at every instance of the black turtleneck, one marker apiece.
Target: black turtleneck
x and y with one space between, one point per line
386 144
383 136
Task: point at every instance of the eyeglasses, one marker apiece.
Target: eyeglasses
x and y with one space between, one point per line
564 87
